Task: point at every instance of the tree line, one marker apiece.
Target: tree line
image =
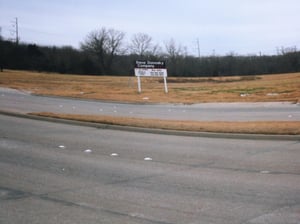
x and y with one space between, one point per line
104 52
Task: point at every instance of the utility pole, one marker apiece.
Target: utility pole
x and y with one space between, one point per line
1 33
15 30
198 47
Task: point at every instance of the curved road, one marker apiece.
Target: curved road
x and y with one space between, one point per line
16 101
57 173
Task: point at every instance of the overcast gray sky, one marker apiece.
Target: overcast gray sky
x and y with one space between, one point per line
221 26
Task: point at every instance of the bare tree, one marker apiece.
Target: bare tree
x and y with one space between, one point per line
105 44
286 50
173 50
174 53
142 45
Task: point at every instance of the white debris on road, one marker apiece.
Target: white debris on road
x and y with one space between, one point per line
114 154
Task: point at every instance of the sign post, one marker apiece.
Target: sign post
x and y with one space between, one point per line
150 69
165 84
139 84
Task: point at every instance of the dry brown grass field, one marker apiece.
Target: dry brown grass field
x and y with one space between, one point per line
259 127
260 88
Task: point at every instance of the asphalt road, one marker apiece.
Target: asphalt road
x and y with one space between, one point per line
57 173
21 102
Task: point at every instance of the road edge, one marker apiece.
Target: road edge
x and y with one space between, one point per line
155 131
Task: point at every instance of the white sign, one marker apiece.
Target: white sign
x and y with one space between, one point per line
153 72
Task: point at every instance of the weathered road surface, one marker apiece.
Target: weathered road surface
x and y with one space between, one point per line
15 101
57 173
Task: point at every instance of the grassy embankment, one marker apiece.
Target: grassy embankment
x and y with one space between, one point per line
265 88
